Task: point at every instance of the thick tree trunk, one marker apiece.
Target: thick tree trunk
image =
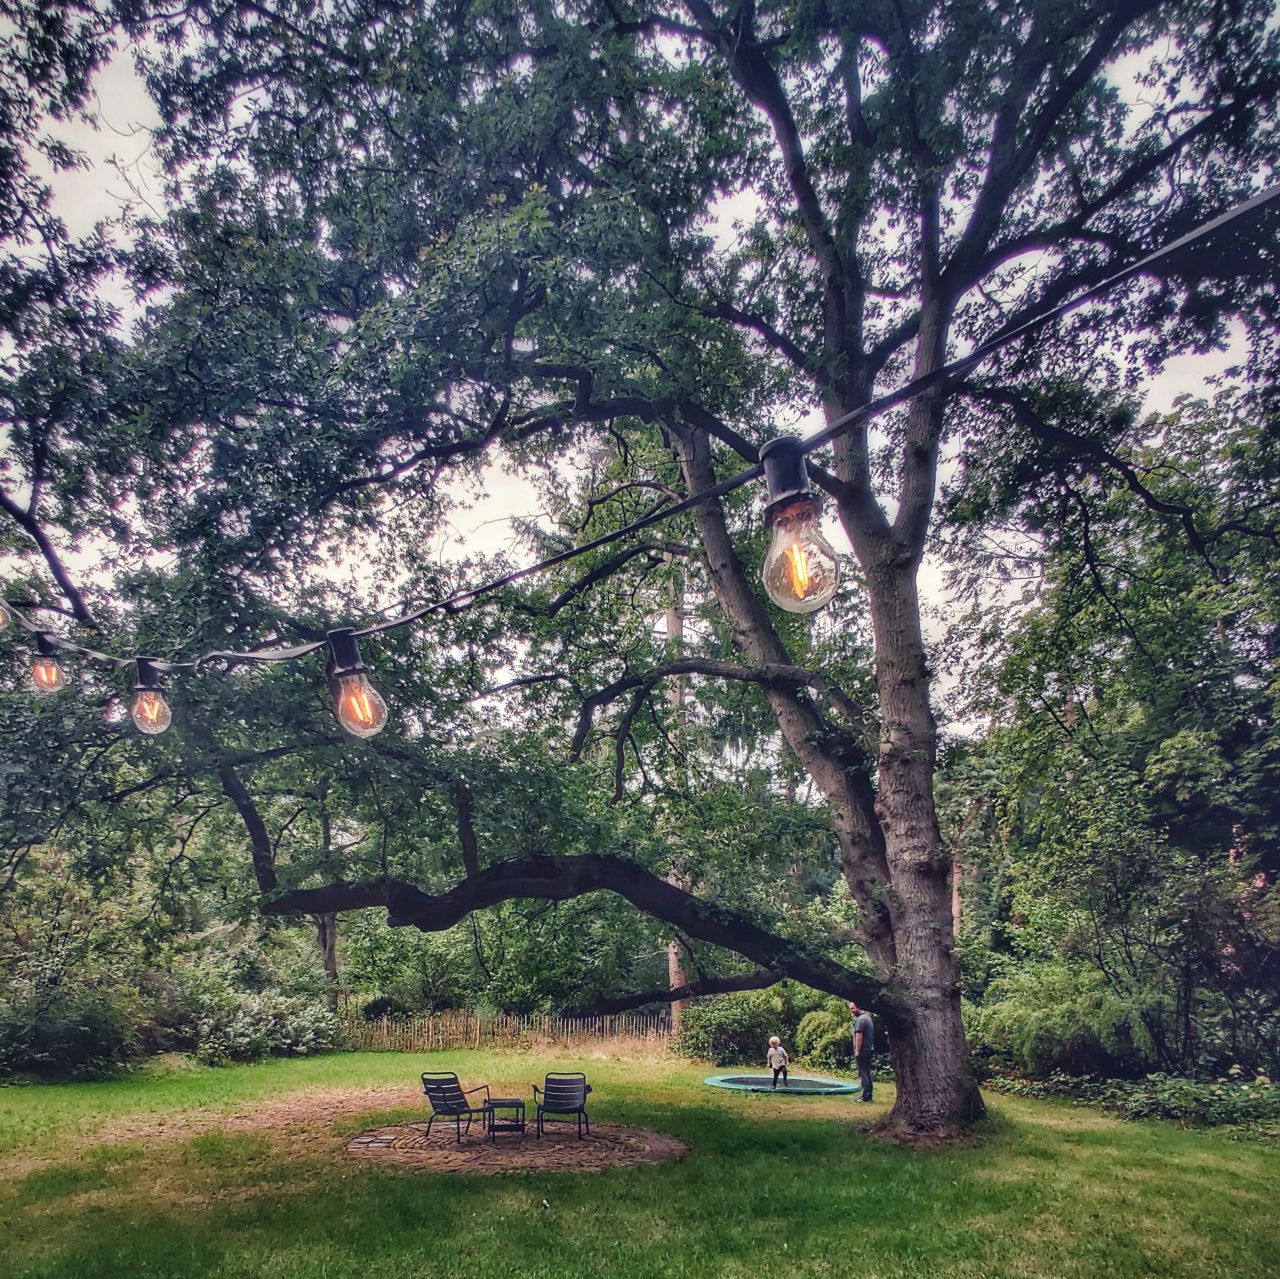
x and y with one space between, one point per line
937 1095
673 618
889 840
937 1092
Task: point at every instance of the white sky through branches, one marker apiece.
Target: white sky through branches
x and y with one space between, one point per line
121 169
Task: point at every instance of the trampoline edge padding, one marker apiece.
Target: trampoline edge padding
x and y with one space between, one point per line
803 1085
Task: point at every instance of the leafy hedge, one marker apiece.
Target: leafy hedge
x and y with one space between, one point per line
734 1030
1251 1106
824 1037
265 1025
68 1031
1057 1017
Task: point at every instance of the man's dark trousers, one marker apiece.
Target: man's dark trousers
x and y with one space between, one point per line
864 1074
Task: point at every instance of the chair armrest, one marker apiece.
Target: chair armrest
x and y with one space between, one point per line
588 1087
484 1088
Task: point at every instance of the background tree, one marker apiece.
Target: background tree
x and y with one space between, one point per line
1135 734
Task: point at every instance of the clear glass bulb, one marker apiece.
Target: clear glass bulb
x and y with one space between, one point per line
150 712
359 706
801 571
6 616
47 675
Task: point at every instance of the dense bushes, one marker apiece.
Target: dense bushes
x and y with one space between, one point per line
253 1026
1057 1017
727 1029
824 1037
74 1031
1251 1105
255 996
232 993
385 1006
733 1030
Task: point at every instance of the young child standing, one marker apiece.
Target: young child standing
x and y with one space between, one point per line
776 1058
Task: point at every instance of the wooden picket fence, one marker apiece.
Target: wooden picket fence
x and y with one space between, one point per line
622 1033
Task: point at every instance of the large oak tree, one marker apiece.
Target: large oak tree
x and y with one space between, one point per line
409 238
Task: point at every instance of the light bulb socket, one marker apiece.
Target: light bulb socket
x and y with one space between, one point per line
786 478
344 653
146 677
45 646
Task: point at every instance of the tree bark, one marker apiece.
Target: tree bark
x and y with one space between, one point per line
673 618
937 1093
327 939
677 980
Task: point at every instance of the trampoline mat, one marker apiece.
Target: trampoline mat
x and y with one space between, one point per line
796 1084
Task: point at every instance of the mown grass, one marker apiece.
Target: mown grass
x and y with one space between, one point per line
788 1187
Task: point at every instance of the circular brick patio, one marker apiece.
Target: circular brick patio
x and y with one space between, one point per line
609 1146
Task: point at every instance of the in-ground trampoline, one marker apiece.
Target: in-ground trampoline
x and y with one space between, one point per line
804 1084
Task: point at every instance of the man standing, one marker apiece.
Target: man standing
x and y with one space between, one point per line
864 1042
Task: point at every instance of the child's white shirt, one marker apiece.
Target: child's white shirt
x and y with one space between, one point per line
777 1057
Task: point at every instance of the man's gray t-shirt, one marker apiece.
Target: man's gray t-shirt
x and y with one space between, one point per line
866 1028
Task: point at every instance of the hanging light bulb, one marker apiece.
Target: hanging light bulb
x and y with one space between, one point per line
149 711
6 616
357 704
47 675
801 571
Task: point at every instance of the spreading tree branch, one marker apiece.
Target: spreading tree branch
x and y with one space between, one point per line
562 878
27 521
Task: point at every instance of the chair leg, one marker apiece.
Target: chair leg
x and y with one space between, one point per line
430 1121
457 1129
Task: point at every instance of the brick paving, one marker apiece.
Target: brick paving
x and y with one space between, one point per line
559 1150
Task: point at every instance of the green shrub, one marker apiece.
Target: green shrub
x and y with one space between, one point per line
733 1030
1057 1017
824 1037
1192 1103
66 1031
384 1006
253 1026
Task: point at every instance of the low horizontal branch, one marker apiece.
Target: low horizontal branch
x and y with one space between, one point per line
561 878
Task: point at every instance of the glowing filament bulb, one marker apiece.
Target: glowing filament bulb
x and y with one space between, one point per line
150 712
799 565
6 616
801 571
359 706
47 675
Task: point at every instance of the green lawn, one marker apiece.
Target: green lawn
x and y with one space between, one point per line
777 1187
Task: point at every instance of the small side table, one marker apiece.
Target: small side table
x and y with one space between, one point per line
504 1114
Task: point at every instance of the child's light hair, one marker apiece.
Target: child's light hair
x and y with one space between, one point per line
773 1039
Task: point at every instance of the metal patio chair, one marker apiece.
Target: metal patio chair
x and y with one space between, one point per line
563 1093
448 1100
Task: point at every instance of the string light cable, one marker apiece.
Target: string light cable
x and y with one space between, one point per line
799 572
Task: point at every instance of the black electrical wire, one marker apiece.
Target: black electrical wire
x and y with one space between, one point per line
872 409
